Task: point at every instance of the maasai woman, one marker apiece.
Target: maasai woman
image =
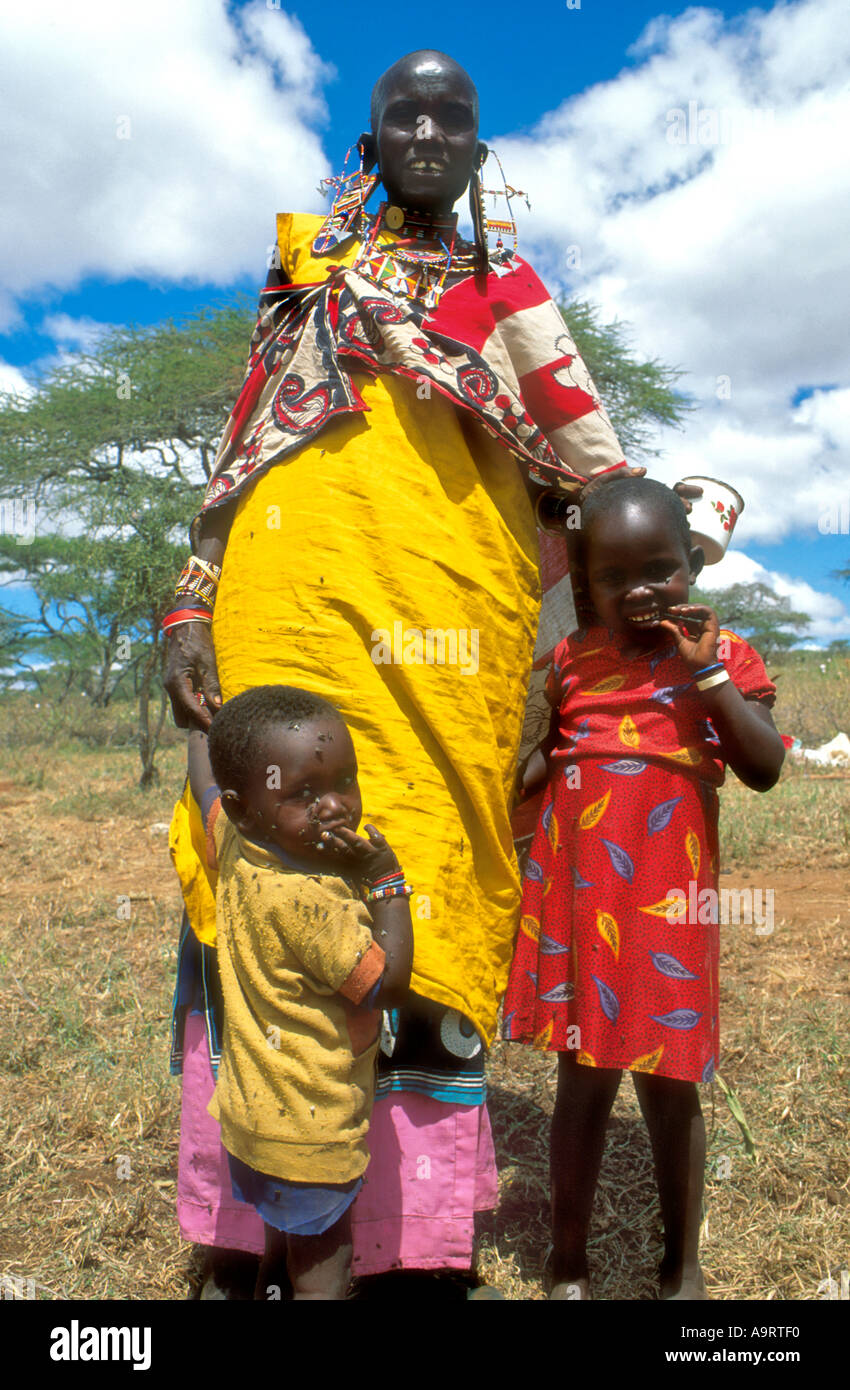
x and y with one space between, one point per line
372 516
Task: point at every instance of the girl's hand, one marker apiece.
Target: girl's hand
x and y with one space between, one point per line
697 645
370 858
534 773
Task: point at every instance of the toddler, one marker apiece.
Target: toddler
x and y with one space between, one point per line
305 969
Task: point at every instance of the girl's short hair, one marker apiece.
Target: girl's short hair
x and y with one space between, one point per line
644 491
241 729
618 493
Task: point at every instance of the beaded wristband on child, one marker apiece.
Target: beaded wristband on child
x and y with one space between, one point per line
388 886
711 675
195 594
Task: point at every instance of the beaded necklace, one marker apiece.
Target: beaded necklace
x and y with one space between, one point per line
406 268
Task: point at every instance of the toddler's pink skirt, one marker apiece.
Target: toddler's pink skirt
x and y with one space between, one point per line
432 1167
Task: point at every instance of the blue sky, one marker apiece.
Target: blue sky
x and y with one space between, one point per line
729 259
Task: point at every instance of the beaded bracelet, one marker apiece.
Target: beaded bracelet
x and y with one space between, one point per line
198 582
393 881
719 678
178 616
194 601
394 890
390 885
396 876
715 666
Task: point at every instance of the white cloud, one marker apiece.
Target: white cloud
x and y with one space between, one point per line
13 382
217 108
731 258
788 477
83 333
828 413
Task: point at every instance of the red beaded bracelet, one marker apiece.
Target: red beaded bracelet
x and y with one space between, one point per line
184 615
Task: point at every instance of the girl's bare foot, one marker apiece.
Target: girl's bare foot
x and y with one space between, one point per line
686 1285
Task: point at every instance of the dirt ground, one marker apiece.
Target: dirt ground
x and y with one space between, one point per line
89 1118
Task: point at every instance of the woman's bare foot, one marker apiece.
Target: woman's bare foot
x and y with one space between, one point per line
571 1290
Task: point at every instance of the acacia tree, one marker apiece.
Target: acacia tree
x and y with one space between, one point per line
112 451
759 614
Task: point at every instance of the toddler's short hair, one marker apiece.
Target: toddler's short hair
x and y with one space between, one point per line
240 730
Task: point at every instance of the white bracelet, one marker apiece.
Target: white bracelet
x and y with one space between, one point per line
719 678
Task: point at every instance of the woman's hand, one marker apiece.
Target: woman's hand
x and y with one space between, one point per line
688 492
615 476
190 673
697 645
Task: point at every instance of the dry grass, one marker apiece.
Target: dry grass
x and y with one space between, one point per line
89 1116
812 704
89 1113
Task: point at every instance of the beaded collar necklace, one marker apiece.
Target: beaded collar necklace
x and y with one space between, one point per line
409 266
419 225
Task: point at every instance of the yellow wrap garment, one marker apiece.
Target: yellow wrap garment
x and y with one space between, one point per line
394 523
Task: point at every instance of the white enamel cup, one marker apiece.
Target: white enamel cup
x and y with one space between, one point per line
713 516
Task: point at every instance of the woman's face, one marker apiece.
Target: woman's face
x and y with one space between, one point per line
427 137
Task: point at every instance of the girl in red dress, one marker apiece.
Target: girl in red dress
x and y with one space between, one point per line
616 960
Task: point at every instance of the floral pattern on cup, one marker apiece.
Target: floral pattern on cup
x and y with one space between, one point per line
727 517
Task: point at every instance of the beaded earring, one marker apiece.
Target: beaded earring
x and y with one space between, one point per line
483 224
351 193
478 216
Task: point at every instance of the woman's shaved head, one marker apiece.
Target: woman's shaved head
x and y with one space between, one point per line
424 63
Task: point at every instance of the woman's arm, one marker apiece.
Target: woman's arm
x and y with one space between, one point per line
190 663
213 529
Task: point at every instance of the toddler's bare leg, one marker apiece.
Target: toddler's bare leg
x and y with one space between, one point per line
582 1106
273 1275
320 1266
677 1132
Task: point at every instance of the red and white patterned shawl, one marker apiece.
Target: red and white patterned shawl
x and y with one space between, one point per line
497 345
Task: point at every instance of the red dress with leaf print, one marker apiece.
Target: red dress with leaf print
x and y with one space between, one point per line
611 960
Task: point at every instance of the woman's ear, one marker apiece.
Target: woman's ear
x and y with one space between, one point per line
481 155
368 151
696 562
